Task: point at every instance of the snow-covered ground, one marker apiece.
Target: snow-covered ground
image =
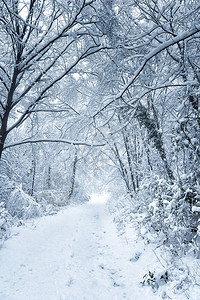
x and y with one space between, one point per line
74 255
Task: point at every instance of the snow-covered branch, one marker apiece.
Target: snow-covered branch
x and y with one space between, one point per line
75 143
185 35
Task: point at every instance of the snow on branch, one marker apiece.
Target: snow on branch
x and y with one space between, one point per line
150 55
75 143
28 111
156 51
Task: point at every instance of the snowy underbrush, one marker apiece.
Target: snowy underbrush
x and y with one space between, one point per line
161 225
22 206
79 197
5 217
6 221
16 206
170 214
15 211
51 201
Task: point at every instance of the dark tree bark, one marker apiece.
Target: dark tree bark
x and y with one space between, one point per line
155 136
73 175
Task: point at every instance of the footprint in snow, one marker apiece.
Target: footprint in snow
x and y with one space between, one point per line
115 284
70 281
135 257
113 271
101 267
91 271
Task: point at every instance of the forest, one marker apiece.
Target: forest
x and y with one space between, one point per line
103 96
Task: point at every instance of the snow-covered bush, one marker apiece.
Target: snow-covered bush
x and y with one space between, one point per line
170 215
6 186
51 197
5 222
79 196
51 201
21 205
154 279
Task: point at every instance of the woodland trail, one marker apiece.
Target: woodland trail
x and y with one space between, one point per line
74 255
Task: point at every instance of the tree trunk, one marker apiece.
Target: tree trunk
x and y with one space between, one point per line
73 176
33 178
3 132
8 107
144 119
49 178
129 159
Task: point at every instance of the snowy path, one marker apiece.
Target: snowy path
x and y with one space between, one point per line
73 255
